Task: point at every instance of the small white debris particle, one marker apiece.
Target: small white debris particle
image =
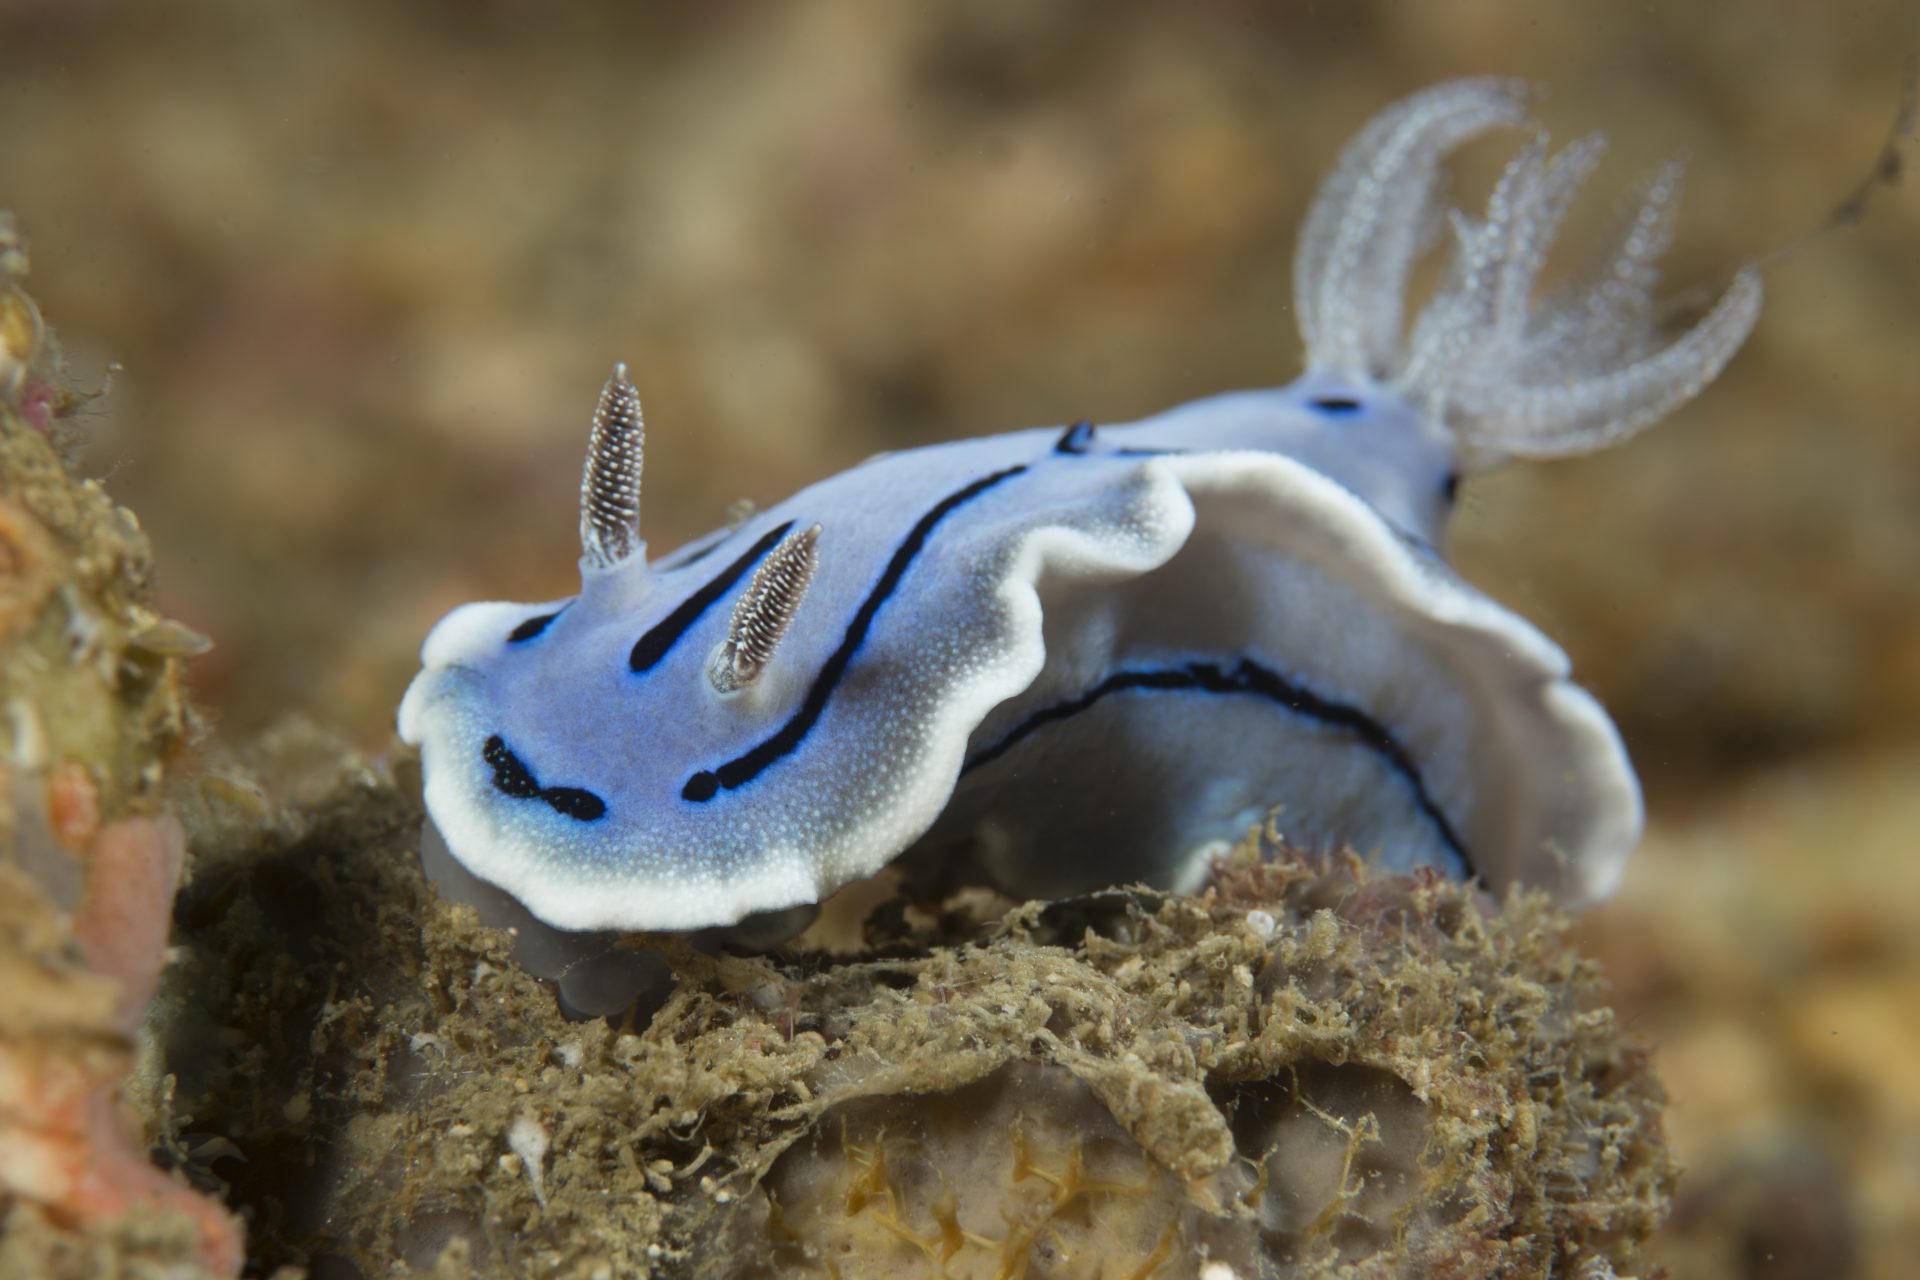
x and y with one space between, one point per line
30 749
1262 923
572 1054
1210 852
1218 1271
215 1148
528 1139
83 630
170 638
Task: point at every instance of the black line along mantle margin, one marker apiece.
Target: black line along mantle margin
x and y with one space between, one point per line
1248 677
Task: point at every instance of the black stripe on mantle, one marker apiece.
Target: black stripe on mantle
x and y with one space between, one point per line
707 783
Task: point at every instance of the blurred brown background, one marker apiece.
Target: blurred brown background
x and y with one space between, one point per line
364 266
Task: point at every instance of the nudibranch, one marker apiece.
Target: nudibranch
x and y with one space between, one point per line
1078 656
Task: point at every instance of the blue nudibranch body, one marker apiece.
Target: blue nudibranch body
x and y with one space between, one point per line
1073 656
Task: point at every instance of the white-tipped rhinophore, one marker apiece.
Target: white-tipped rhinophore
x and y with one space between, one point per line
766 610
1584 367
610 485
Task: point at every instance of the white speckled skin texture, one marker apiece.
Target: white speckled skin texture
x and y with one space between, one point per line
1073 656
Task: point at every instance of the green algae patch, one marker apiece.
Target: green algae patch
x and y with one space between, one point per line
1309 1069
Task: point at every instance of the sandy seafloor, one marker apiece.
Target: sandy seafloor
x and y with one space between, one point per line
363 266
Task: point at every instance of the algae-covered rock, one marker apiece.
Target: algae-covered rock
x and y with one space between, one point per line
1307 1070
91 711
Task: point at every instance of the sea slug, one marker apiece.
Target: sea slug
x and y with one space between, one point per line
1077 655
